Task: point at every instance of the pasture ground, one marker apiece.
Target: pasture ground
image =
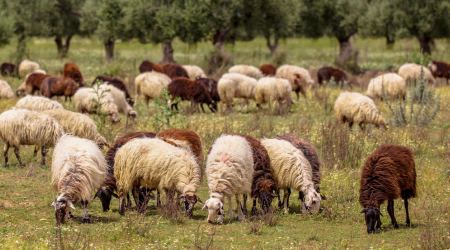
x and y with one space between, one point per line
27 219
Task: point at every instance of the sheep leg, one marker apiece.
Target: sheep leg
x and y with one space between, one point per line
287 199
297 93
280 204
158 198
254 209
230 209
408 222
5 154
244 204
362 126
241 215
128 200
43 154
285 202
36 149
390 209
16 152
86 218
121 204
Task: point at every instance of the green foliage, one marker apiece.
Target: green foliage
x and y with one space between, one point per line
62 17
163 118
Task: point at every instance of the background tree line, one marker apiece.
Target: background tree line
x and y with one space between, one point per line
223 21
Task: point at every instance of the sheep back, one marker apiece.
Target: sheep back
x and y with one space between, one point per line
247 70
6 90
387 85
268 69
37 103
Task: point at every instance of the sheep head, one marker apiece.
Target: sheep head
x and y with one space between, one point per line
62 206
311 202
266 189
215 210
372 218
189 200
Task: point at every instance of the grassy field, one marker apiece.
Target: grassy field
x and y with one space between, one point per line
27 219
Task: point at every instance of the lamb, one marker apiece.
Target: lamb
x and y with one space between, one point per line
354 107
58 86
77 124
327 73
155 164
87 100
71 70
235 85
292 170
78 169
25 127
31 84
192 91
151 84
299 78
116 82
230 171
26 67
440 69
270 89
268 69
388 173
119 99
6 91
387 85
248 70
413 72
194 72
37 103
8 69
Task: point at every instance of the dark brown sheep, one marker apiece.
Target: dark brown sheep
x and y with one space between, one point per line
33 83
116 82
192 91
325 74
268 69
147 66
58 86
440 69
388 173
174 70
71 70
8 69
211 86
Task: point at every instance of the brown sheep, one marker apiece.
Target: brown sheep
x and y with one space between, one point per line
58 86
32 83
147 66
8 69
325 74
211 86
388 173
174 70
118 83
268 69
71 70
440 69
192 91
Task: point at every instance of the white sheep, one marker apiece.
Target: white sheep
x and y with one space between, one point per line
26 127
6 91
354 107
292 170
37 103
26 67
413 72
86 100
151 84
273 89
248 70
235 85
229 170
119 99
77 124
194 71
155 164
299 78
78 170
387 85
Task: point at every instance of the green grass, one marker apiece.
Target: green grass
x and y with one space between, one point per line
27 219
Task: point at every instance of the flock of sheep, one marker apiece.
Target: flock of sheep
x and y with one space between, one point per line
172 161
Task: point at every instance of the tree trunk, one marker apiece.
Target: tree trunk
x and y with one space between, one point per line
20 50
425 44
272 46
390 40
109 49
167 52
219 58
348 56
63 46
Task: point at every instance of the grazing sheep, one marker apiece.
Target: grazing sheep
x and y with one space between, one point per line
147 66
311 155
78 170
116 82
247 70
26 127
354 107
388 173
192 91
6 91
194 72
413 72
211 86
326 74
292 170
119 99
87 100
387 85
268 69
31 84
37 103
151 84
78 125
271 89
8 69
440 69
58 86
71 70
230 171
299 78
174 70
155 164
26 67
235 85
